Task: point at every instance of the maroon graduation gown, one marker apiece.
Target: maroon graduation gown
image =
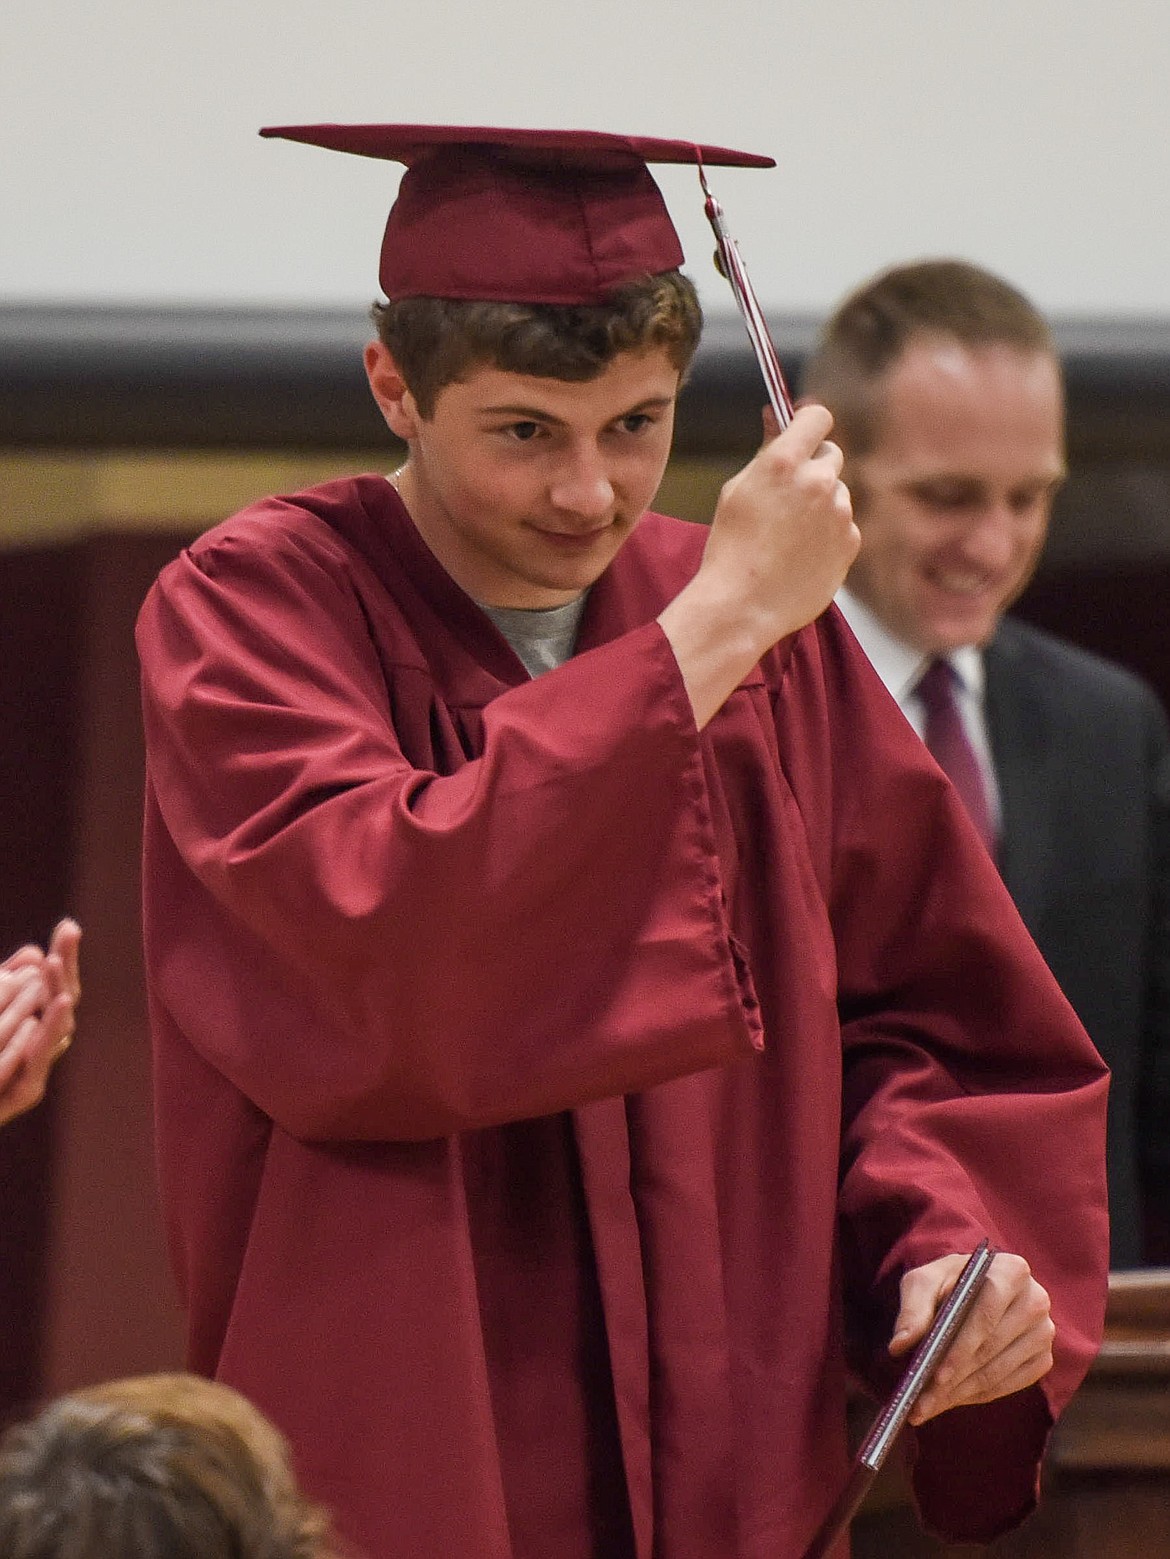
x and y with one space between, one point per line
536 1076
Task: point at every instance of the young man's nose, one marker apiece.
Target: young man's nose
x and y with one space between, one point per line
582 486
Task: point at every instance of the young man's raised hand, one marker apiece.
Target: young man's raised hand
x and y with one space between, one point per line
781 543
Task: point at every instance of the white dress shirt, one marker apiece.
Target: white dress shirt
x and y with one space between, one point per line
900 666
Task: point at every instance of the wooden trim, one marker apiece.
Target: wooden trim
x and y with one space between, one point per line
57 495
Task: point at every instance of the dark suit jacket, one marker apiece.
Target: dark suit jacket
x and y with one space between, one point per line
1082 755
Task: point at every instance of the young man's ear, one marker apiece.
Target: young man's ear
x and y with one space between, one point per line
388 388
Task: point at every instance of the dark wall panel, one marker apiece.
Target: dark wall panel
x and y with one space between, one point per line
39 595
110 1306
1120 610
84 1289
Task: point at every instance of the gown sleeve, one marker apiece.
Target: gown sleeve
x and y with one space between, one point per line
369 949
973 1101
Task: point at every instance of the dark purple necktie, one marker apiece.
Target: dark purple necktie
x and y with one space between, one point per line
950 745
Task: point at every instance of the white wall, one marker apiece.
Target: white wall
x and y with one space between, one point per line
1031 135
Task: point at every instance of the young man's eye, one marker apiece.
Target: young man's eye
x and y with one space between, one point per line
635 422
523 432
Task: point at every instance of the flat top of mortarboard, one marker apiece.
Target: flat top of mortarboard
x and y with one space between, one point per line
583 148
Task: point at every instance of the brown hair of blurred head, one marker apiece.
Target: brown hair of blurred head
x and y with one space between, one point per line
870 330
438 341
155 1467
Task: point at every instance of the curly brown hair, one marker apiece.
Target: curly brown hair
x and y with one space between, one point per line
438 341
154 1467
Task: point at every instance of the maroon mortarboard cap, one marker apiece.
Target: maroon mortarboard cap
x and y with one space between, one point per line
520 216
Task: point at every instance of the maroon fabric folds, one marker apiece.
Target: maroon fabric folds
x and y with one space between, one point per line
518 1049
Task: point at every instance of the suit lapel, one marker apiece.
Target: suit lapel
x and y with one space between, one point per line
1024 758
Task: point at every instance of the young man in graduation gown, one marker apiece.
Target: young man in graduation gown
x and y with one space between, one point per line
948 396
576 993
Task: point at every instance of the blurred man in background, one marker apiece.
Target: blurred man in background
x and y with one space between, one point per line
948 402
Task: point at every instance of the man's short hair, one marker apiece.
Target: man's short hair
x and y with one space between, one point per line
870 330
155 1467
438 341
